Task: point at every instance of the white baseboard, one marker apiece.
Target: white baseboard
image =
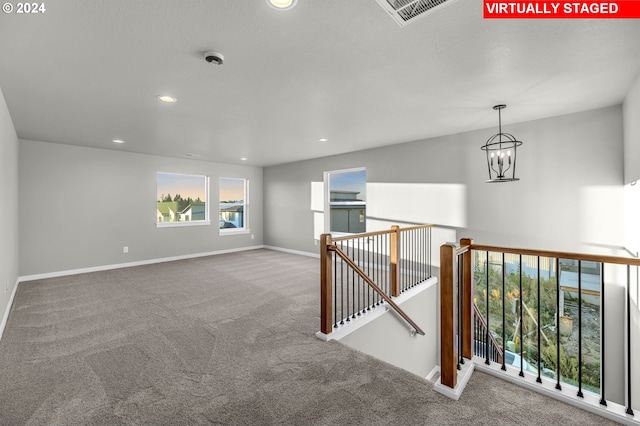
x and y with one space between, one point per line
131 264
290 251
5 316
432 373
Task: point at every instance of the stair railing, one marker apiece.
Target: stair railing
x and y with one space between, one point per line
554 284
362 271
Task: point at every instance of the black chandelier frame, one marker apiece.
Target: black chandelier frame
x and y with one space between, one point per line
496 147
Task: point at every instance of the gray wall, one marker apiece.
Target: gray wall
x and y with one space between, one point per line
570 196
387 337
10 216
80 206
631 108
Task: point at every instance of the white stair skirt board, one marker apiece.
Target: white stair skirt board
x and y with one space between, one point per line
463 378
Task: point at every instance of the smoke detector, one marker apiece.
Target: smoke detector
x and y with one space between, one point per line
406 11
214 58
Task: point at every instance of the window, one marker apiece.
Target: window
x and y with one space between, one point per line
346 201
181 200
234 205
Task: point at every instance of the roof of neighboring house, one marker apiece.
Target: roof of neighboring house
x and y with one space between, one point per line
232 209
165 206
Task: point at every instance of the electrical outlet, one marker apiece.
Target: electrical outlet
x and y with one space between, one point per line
125 249
252 236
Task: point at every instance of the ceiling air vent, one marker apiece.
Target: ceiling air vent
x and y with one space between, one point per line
406 11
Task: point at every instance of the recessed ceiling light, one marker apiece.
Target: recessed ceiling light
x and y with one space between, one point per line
166 98
118 141
323 140
244 159
282 4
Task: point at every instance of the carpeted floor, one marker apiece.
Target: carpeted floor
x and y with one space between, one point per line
226 339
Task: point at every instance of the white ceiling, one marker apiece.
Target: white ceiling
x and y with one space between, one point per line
86 72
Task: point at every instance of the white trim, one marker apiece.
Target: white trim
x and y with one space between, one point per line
290 251
130 264
233 231
179 224
590 402
5 317
464 374
433 373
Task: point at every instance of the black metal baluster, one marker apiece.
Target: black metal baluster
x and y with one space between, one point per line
539 380
429 248
603 401
412 281
379 265
419 254
341 287
416 256
504 327
558 324
367 244
580 395
521 374
387 265
486 340
629 410
348 286
335 289
359 263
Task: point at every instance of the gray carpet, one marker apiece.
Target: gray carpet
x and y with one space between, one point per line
225 339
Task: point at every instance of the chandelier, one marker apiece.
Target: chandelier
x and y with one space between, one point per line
501 153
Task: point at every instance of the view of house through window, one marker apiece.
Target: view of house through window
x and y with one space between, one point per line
181 199
346 192
233 204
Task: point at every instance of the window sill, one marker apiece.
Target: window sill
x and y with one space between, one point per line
181 224
232 231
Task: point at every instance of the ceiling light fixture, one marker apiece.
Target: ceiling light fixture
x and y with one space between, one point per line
166 98
282 4
496 147
244 159
323 140
118 141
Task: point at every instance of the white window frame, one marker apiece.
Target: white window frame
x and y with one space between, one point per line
204 222
245 212
328 203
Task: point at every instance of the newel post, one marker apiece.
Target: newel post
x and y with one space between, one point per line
467 302
448 350
395 260
326 295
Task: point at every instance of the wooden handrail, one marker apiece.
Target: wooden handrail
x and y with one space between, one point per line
620 260
383 232
373 285
356 236
492 340
413 228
